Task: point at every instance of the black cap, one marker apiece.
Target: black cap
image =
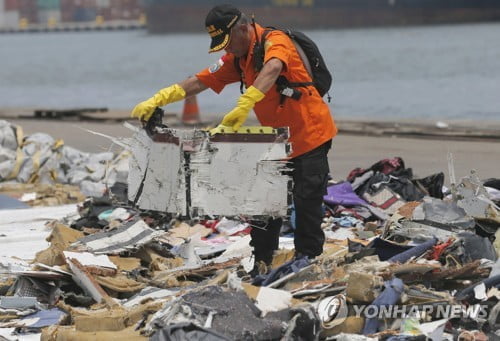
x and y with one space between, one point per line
218 23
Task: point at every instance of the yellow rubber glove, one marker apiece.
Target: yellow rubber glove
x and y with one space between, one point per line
144 110
221 129
236 117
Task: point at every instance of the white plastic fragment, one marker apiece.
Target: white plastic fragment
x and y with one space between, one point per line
269 299
88 259
148 292
480 292
229 227
123 238
28 196
433 330
240 248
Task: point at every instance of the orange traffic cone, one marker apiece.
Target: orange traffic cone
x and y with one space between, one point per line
190 113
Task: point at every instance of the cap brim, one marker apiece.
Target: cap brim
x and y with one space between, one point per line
220 42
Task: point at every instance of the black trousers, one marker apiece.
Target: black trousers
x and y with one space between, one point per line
310 178
265 239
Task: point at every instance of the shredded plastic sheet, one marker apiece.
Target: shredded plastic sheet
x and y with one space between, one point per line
40 158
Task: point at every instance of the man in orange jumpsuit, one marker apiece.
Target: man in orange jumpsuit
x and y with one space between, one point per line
306 114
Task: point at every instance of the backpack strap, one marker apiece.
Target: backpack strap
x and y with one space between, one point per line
284 87
300 84
258 49
240 71
258 52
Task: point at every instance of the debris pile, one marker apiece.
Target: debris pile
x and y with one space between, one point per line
405 258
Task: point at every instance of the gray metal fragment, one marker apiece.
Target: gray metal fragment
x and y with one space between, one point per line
188 172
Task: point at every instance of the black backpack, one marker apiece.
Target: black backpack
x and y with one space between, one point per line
314 62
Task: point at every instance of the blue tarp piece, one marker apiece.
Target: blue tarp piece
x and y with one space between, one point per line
385 249
390 295
8 203
45 318
413 252
287 268
347 221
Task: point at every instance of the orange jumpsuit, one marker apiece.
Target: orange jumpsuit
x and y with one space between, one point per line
311 131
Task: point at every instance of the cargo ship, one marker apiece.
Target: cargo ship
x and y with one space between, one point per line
188 15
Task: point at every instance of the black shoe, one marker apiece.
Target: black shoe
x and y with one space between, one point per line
300 255
259 268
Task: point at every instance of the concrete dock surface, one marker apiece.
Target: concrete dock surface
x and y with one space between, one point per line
424 146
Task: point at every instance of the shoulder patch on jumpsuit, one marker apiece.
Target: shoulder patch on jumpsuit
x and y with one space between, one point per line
216 66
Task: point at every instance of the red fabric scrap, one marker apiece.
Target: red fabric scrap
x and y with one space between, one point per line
437 250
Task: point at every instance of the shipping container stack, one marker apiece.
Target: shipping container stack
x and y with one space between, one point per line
89 10
78 10
49 12
28 12
2 13
10 14
104 9
19 14
125 9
